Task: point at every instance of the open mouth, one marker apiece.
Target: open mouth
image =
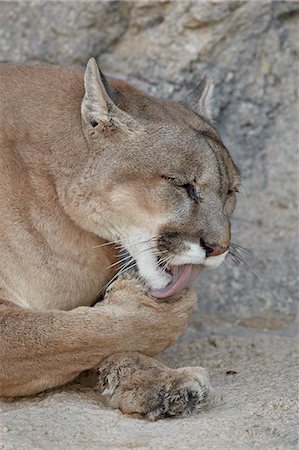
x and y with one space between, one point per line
182 276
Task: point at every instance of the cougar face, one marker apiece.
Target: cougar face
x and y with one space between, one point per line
158 178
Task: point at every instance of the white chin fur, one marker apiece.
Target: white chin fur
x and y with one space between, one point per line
155 277
215 261
146 261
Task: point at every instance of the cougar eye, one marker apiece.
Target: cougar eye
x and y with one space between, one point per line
191 192
188 187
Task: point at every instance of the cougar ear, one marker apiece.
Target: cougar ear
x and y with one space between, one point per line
99 104
98 100
200 99
94 106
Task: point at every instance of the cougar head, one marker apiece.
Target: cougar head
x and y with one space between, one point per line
158 178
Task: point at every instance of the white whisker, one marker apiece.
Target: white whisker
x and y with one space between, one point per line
120 261
124 269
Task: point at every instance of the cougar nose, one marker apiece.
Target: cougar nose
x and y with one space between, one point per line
213 249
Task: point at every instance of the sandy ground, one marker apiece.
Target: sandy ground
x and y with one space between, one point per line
253 372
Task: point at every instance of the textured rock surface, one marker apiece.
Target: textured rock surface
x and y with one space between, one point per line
251 51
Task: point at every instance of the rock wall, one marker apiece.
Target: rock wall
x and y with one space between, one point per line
250 49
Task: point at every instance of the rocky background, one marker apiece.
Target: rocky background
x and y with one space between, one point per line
251 51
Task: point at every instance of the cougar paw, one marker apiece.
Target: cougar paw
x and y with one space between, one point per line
157 392
129 282
180 399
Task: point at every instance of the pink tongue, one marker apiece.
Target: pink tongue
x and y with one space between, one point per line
182 277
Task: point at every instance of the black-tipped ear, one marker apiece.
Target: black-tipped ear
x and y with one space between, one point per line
200 99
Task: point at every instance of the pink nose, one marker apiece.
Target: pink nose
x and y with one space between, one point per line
213 249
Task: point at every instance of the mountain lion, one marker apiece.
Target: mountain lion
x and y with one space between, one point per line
89 166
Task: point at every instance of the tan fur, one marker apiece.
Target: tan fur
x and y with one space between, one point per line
137 384
83 163
44 349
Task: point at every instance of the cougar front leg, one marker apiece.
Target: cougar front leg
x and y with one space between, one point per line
137 384
40 350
